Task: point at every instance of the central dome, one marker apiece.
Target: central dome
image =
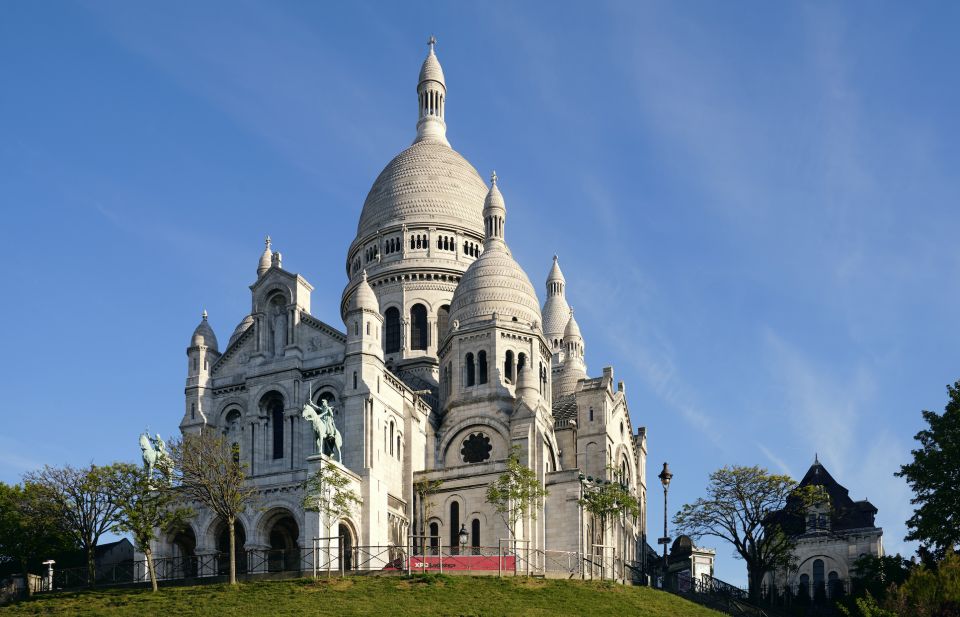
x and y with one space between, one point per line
428 183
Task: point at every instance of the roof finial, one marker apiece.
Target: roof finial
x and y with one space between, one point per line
267 241
493 177
364 274
431 42
204 314
816 458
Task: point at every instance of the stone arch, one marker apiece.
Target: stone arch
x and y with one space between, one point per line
347 532
419 326
392 330
221 540
183 552
280 530
495 429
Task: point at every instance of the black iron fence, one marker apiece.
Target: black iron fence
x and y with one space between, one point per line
331 558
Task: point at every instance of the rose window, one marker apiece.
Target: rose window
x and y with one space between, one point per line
476 448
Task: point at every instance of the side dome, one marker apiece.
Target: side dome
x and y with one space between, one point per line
428 183
245 323
363 297
495 283
203 335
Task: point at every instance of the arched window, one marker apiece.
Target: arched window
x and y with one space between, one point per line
354 380
818 577
591 414
804 588
272 406
443 321
475 536
482 366
834 585
418 327
508 367
392 326
521 362
471 370
434 538
454 527
391 437
398 448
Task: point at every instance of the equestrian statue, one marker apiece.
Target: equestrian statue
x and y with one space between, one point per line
329 439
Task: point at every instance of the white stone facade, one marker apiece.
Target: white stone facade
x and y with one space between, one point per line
441 368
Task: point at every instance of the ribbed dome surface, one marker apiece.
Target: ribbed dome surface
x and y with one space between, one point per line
556 311
431 69
572 330
203 335
495 283
245 323
363 297
428 183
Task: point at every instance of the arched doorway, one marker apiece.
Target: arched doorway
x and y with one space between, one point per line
223 547
183 563
346 545
284 549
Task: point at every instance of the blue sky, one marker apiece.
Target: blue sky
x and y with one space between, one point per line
754 205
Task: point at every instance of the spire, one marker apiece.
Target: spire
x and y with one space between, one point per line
555 280
494 213
431 99
266 259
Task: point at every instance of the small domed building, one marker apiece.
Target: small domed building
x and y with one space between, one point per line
445 363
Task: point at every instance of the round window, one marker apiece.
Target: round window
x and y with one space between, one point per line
476 448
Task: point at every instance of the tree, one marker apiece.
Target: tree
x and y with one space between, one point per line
85 503
424 490
873 575
606 500
207 470
30 526
934 476
737 509
516 493
328 492
146 504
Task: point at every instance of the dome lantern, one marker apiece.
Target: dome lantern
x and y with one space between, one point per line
431 99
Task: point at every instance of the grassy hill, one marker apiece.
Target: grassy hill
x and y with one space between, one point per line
372 595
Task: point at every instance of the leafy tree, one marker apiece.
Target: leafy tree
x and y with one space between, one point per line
934 476
30 526
737 509
865 607
874 575
929 592
608 500
146 504
516 493
207 470
83 501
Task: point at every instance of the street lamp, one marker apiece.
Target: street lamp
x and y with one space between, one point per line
464 536
665 477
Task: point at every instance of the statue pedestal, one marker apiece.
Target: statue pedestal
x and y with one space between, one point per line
324 534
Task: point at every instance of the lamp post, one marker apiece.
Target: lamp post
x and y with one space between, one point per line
464 536
665 477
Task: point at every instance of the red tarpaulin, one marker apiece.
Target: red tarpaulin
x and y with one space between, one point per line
463 562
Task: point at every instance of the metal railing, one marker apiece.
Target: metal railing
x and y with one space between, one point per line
335 557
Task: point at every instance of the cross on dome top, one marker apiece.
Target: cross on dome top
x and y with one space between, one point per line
493 177
431 42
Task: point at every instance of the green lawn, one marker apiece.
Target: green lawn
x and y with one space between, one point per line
372 595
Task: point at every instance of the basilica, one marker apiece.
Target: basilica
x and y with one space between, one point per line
446 362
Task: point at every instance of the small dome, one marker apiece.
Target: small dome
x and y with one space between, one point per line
555 273
245 323
266 259
572 330
203 335
495 283
556 311
431 69
363 297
